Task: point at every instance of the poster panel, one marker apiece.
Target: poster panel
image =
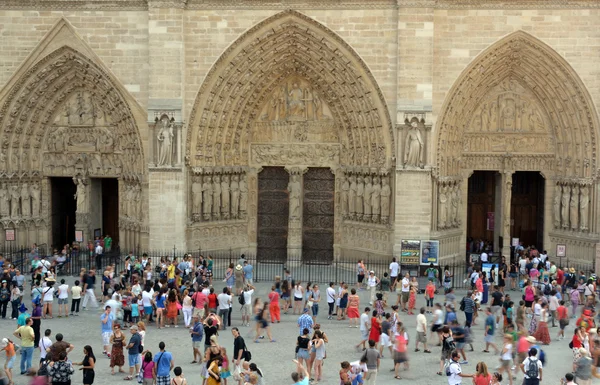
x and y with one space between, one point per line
430 252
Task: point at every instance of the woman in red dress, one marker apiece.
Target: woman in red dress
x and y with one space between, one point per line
353 304
375 327
542 334
172 308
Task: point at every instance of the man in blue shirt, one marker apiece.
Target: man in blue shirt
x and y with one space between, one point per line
248 269
197 332
164 363
490 325
133 351
107 319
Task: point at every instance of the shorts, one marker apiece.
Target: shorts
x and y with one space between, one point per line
106 338
489 338
303 353
384 340
48 301
495 309
134 359
528 303
400 357
10 362
197 344
563 323
460 345
506 363
421 337
405 295
435 328
364 335
63 301
512 275
163 380
147 309
445 355
246 310
296 299
198 312
360 278
263 323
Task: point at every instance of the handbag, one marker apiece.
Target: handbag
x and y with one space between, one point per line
247 355
140 375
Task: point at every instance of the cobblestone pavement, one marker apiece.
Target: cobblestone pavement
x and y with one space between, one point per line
275 359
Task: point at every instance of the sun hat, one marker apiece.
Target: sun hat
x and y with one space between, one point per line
133 327
531 339
238 267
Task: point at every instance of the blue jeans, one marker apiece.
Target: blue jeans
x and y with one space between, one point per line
469 319
26 356
315 309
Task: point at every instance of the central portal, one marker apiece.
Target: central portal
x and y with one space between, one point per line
273 215
318 215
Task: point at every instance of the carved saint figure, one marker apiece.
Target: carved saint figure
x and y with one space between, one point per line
196 197
4 202
318 106
276 109
507 205
308 100
564 211
137 202
295 191
344 195
25 201
557 192
35 200
296 105
207 196
386 193
352 196
165 144
574 208
375 199
225 197
584 200
243 196
454 206
485 118
360 194
81 196
235 196
507 118
442 207
413 147
367 198
216 208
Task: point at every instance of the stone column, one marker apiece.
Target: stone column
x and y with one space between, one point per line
82 215
506 180
295 188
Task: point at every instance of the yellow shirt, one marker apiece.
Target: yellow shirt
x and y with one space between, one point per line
27 336
171 272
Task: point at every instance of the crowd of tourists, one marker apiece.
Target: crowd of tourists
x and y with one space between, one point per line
178 293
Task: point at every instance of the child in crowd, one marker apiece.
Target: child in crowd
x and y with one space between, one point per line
179 379
135 310
225 373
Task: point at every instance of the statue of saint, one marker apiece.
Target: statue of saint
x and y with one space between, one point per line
25 201
386 193
196 197
81 196
165 144
557 192
584 201
4 202
296 105
454 206
442 208
207 196
360 194
375 199
295 191
344 195
413 147
225 196
352 196
243 196
235 195
564 211
216 206
35 200
574 208
367 198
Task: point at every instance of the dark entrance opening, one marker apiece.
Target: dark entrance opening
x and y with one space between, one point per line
273 215
318 215
527 208
110 209
64 205
481 210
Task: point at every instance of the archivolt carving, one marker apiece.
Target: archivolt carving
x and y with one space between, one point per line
519 95
248 79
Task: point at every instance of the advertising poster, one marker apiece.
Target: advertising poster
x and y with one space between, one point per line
430 252
410 252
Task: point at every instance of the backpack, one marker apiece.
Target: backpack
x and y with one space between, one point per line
448 344
448 373
547 289
43 370
462 304
532 369
4 295
241 299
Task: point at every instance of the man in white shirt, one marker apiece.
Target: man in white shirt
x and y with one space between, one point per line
422 331
405 291
532 376
373 281
394 270
330 299
365 326
483 257
99 250
45 264
63 299
522 265
224 300
44 344
247 307
455 371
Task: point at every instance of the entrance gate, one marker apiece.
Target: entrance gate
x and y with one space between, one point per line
318 215
273 214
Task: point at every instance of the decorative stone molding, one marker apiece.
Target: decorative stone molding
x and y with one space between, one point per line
210 236
494 4
366 195
218 194
366 238
21 200
304 154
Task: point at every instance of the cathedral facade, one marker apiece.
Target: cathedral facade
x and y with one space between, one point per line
314 129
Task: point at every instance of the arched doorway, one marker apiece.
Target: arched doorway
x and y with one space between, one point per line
290 94
520 107
71 152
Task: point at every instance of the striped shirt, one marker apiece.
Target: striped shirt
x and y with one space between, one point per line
469 305
305 322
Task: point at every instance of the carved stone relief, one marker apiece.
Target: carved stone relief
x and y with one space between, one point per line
206 236
449 204
364 237
218 194
166 141
571 205
365 195
413 154
20 200
304 154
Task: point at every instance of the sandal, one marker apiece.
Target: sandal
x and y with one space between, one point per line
397 377
427 351
417 350
128 378
485 351
439 373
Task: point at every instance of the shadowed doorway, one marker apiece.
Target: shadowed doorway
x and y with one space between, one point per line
64 206
481 209
527 208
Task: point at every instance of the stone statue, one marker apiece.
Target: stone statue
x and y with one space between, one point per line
556 207
459 204
454 206
574 208
367 198
25 201
196 197
225 197
137 202
564 210
318 106
375 199
81 196
413 147
507 205
207 194
4 202
442 208
344 195
584 201
216 206
35 200
130 201
360 195
352 197
165 144
308 100
14 201
235 195
295 189
386 193
296 105
243 196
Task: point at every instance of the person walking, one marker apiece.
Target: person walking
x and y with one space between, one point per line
274 310
490 327
197 332
88 287
26 335
247 293
467 305
106 323
87 365
405 292
394 270
75 298
63 299
164 363
9 347
353 306
239 350
134 348
364 328
373 360
305 321
331 297
421 331
454 371
117 358
532 368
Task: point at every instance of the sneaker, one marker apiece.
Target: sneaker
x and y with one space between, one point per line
464 362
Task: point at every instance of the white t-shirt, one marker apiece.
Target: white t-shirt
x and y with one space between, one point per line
526 365
394 268
48 294
421 323
364 320
372 281
136 289
522 264
45 343
224 300
99 249
357 367
45 265
405 285
330 295
248 297
455 370
543 257
146 298
508 354
63 291
484 257
76 292
439 314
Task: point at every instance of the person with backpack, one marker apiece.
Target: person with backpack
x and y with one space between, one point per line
448 347
467 305
454 371
532 368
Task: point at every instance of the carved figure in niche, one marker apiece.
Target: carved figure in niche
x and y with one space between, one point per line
536 124
35 200
574 208
557 191
367 198
507 116
454 206
564 211
196 197
318 106
413 147
276 109
106 142
485 118
207 196
310 107
493 116
386 193
165 143
25 201
243 196
137 201
216 204
375 199
360 194
295 190
296 105
14 201
584 200
352 196
344 195
225 196
4 202
81 196
235 196
507 205
458 205
442 207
